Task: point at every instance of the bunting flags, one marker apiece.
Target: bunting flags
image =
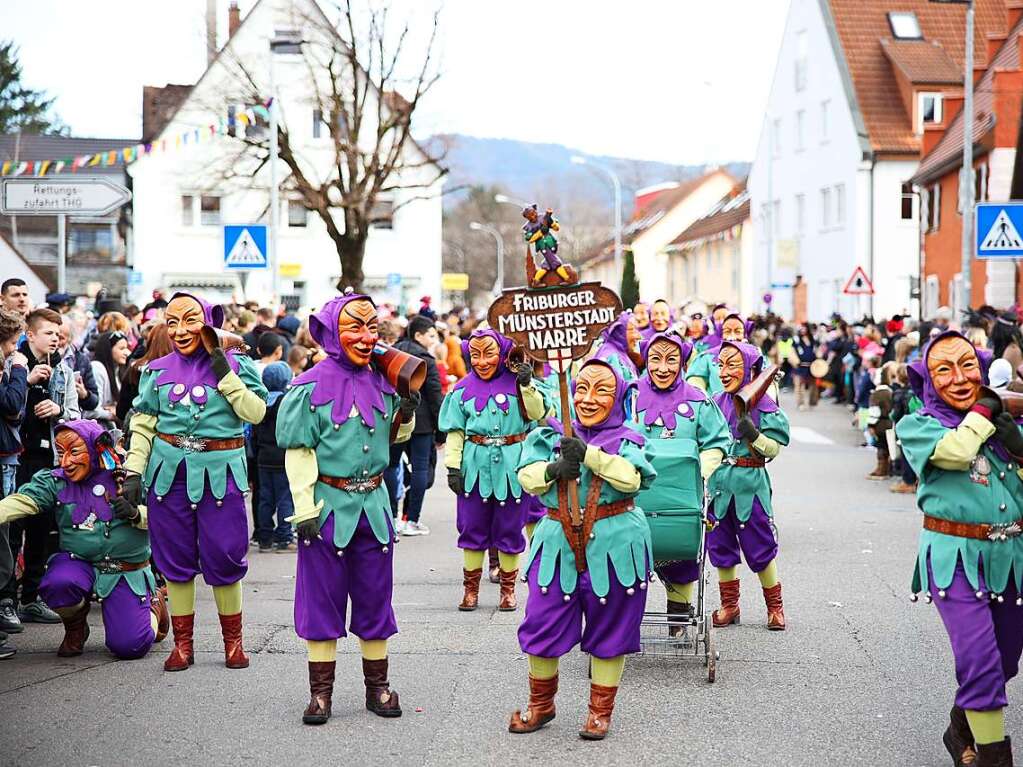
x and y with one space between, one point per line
242 114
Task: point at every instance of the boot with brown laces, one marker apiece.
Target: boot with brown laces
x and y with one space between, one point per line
540 708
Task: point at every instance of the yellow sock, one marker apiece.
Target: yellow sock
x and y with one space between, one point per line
228 598
509 562
680 592
322 651
727 574
562 272
769 575
529 531
987 726
473 560
607 671
373 649
69 612
542 668
181 597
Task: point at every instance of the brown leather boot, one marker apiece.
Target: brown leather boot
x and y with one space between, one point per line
995 754
677 608
539 709
380 698
507 603
494 563
602 703
231 629
775 609
76 631
181 656
958 739
729 610
159 607
882 470
471 582
321 688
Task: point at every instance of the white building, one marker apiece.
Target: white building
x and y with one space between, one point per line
182 200
13 264
854 85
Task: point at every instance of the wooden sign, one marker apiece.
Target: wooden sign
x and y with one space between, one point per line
555 325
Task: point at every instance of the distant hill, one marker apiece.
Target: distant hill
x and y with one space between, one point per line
526 169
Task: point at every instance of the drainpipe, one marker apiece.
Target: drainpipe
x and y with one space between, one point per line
870 238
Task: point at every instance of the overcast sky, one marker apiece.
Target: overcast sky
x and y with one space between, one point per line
681 81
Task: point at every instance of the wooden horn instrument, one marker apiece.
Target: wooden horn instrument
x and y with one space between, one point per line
1012 402
405 372
214 338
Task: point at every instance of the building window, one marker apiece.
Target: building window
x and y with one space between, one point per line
825 208
209 211
904 25
907 202
297 213
929 109
840 204
91 242
187 210
776 137
800 120
381 215
800 213
824 120
980 182
801 60
934 208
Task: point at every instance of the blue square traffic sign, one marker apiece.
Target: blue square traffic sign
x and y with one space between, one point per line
245 246
998 228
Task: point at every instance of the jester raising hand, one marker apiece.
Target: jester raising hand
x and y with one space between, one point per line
537 232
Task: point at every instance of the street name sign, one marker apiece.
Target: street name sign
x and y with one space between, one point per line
85 196
245 246
998 230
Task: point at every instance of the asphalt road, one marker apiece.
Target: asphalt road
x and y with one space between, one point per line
861 677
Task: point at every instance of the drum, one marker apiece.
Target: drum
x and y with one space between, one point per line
673 506
819 368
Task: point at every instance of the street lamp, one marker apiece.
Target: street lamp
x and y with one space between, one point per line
966 177
506 200
476 226
617 185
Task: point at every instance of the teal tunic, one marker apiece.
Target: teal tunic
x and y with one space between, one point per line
116 540
703 366
351 450
489 469
551 389
961 496
743 484
214 420
621 542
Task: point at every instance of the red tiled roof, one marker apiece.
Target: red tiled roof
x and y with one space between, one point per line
728 213
922 62
159 105
861 25
950 148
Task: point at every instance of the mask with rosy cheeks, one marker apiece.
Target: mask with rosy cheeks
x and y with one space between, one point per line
632 336
484 356
696 328
956 373
733 330
732 369
185 319
660 316
594 395
357 331
664 363
641 315
73 455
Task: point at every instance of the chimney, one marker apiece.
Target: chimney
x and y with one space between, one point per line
234 19
994 44
211 31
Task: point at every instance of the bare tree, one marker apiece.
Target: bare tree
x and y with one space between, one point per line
365 81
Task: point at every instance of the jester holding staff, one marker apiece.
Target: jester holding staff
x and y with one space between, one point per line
537 232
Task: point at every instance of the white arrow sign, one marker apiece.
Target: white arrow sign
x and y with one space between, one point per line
86 196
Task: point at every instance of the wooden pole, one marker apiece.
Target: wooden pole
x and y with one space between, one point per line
566 420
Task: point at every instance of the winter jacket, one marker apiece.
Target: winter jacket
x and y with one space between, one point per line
13 395
428 412
264 437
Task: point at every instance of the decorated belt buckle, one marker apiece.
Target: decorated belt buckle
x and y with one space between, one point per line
495 441
1004 532
109 568
362 486
190 443
731 460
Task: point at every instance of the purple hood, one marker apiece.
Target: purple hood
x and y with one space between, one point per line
92 494
666 404
753 364
503 382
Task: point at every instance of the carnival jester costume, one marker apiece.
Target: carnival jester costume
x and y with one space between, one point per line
702 372
741 489
588 585
967 453
619 347
336 424
188 452
487 416
104 547
688 437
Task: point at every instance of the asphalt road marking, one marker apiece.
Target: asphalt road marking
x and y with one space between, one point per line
808 436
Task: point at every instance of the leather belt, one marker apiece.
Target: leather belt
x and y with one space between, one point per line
354 484
996 532
497 441
600 512
113 566
746 462
578 537
192 443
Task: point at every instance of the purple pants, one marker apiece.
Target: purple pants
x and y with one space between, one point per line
328 577
554 625
986 637
210 537
126 616
681 572
535 510
754 537
486 522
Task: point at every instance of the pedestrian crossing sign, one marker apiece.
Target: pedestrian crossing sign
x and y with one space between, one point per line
998 229
245 246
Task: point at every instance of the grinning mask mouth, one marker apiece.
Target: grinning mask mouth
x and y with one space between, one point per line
357 331
594 397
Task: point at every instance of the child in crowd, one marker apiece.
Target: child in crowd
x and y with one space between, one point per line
864 383
275 492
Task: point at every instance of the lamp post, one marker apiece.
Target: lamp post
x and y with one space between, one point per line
283 41
504 199
966 176
617 186
476 226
